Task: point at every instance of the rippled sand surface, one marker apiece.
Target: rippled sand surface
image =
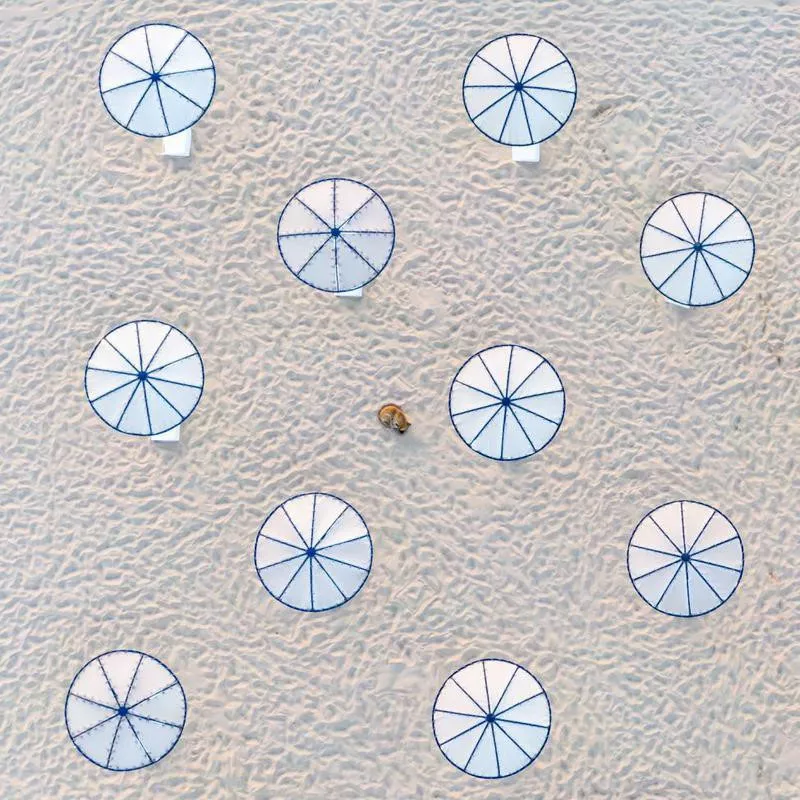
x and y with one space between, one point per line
110 542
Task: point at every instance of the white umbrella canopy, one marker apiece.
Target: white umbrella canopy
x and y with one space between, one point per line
336 235
491 718
697 249
519 90
125 710
157 80
507 402
144 378
313 552
685 558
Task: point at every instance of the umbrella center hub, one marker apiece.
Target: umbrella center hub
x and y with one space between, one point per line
506 401
684 556
490 718
698 247
156 76
335 232
311 552
123 711
518 86
142 375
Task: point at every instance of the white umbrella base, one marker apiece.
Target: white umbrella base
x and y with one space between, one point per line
528 153
352 293
172 435
179 145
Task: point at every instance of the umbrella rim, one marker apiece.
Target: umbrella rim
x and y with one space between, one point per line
752 260
170 25
177 682
154 433
506 36
475 355
628 563
350 180
369 539
549 727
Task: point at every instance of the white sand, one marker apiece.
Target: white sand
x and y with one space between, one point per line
111 542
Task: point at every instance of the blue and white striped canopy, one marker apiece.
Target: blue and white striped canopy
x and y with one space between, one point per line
157 80
507 402
491 718
125 710
519 90
144 378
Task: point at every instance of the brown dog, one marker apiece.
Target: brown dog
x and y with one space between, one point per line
394 418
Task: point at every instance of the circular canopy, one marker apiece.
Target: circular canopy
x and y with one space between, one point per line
313 552
685 558
507 402
491 718
125 710
144 378
336 235
157 80
519 89
697 249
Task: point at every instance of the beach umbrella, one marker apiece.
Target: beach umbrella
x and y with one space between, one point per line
491 718
519 90
157 80
685 558
336 235
125 710
313 552
697 249
144 378
507 402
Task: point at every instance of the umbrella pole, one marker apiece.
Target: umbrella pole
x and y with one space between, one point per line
528 153
179 145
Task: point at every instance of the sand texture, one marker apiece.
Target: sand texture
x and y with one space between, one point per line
112 542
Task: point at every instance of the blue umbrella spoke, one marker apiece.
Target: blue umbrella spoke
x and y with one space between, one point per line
474 749
710 234
479 408
329 528
174 49
150 696
282 561
497 386
280 541
513 674
677 210
149 53
161 103
459 735
116 389
671 581
136 107
676 269
669 539
657 569
93 702
97 724
525 379
711 547
141 744
482 391
124 410
358 254
513 68
549 89
652 550
688 593
155 389
113 742
291 580
534 413
730 263
469 695
125 85
513 741
496 753
338 544
170 363
703 577
718 566
519 703
543 107
669 252
330 578
485 426
133 679
358 209
114 372
530 58
702 531
522 428
544 71
669 233
493 104
308 208
185 97
141 69
175 383
516 400
158 349
311 258
461 714
296 529
508 115
123 356
495 68
339 561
